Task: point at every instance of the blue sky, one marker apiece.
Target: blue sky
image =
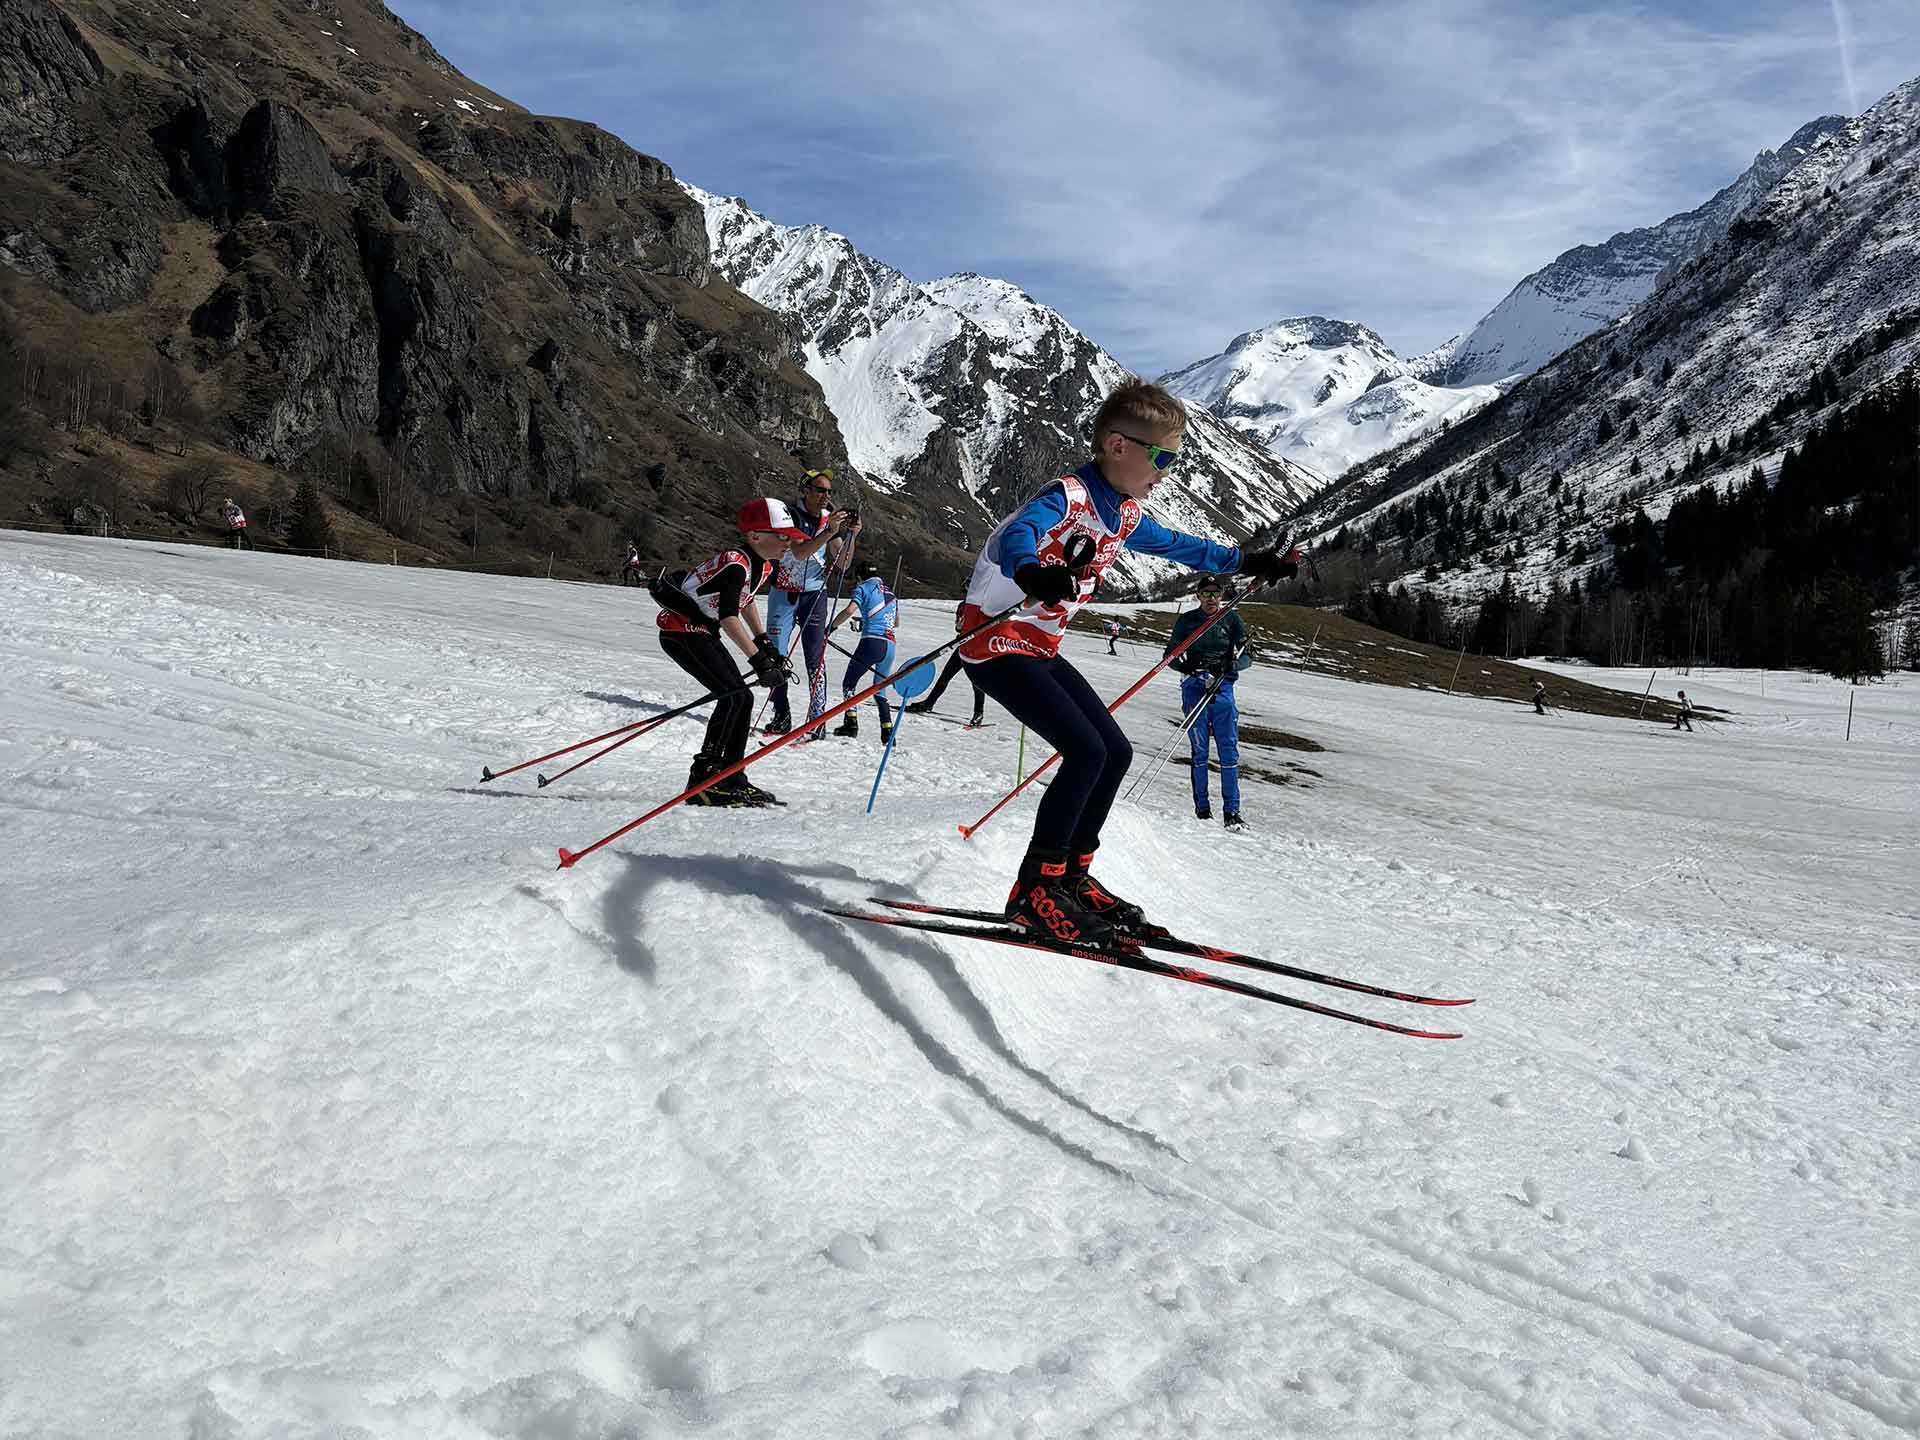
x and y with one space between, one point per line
1168 175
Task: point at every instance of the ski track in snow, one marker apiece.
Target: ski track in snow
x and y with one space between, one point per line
331 1107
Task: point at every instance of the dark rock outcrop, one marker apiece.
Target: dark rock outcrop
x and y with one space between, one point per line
275 155
45 65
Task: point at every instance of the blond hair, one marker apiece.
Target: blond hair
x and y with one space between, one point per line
1139 407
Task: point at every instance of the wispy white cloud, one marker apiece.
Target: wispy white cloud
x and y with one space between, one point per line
1169 177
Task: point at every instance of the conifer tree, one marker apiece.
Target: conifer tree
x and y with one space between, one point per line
311 529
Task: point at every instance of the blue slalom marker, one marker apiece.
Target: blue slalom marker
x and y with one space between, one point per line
916 680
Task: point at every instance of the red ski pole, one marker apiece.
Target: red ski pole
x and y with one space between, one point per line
1128 694
646 727
1080 547
487 774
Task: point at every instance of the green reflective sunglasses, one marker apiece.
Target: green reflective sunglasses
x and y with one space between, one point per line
1162 459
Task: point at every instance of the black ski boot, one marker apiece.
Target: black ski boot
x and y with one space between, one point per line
920 707
744 792
1123 915
849 724
715 796
1200 812
1234 822
779 725
1042 901
886 734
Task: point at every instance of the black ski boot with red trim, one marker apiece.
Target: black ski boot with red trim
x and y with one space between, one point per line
1123 915
1042 901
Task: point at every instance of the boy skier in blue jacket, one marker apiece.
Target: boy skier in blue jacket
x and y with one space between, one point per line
1136 438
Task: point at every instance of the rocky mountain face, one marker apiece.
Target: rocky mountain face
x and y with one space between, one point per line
1590 286
965 393
1322 394
333 237
1709 376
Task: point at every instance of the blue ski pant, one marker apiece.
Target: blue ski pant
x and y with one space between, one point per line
1053 700
1219 721
873 654
807 609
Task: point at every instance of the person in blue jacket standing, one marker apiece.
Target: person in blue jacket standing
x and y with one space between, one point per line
1219 655
879 613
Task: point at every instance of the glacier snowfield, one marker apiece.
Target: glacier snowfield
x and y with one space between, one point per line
329 1107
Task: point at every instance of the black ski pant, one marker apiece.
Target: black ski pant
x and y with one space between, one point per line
947 672
1053 700
873 654
704 658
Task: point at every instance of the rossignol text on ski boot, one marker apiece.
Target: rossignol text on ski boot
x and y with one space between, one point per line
1042 900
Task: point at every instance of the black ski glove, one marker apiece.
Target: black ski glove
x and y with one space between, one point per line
768 668
1049 584
1267 566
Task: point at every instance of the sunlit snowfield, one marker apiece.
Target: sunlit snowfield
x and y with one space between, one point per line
328 1106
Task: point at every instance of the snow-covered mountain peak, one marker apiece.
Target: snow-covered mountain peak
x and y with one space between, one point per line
965 392
1322 393
1591 286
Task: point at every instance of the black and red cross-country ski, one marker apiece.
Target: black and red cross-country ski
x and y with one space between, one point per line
1126 954
1192 949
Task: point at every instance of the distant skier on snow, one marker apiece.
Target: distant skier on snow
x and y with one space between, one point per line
1114 629
1684 720
1219 654
697 607
879 614
1136 437
236 519
631 572
1539 697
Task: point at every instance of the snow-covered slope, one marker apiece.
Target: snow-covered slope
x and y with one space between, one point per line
330 1108
1325 394
1590 286
965 393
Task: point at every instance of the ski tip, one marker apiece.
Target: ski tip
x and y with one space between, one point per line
966 831
486 774
539 780
567 858
845 914
1434 1034
1446 1002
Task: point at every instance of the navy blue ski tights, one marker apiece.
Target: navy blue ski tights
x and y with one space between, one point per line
1053 700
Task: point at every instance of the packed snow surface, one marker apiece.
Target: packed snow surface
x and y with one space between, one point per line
332 1108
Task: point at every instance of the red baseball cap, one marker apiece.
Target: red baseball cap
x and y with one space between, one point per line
770 515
